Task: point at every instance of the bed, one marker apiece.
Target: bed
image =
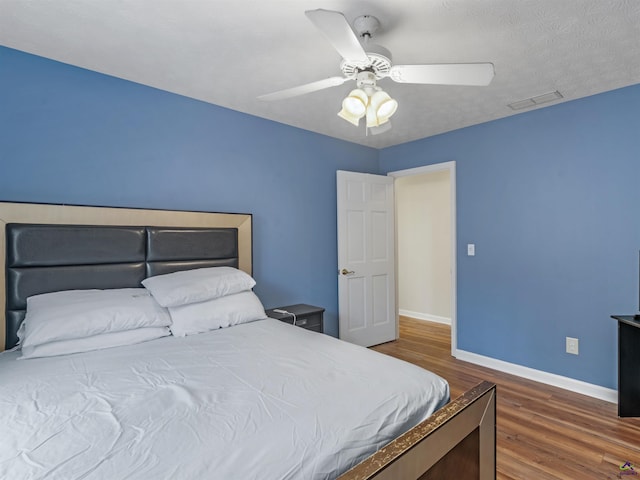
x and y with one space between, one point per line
261 399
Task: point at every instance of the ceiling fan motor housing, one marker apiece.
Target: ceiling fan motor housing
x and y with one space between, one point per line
379 58
379 63
366 81
366 25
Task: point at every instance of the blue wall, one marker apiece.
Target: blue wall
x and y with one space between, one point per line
68 135
551 198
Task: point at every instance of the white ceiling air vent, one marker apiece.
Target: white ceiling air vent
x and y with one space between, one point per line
535 101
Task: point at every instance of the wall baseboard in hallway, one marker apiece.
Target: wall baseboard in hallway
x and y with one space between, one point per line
425 316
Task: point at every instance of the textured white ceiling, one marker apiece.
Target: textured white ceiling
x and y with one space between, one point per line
227 52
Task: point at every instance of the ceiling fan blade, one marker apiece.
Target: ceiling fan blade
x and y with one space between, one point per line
479 74
336 29
304 89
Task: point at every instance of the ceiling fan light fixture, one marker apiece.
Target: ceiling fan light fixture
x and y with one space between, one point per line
387 109
354 106
356 103
384 105
373 120
370 101
346 115
385 127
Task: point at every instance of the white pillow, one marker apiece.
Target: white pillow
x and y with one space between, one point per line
217 313
191 286
84 313
95 342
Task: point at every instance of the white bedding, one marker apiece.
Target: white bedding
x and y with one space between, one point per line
262 400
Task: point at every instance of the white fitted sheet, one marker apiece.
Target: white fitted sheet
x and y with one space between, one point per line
262 400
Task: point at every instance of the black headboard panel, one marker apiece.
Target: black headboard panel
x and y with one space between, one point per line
173 249
51 258
45 245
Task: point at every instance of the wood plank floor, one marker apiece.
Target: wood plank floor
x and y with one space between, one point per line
543 432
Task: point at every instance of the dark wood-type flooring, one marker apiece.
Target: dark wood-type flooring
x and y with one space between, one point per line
543 432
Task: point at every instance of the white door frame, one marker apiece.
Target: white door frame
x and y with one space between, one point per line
451 168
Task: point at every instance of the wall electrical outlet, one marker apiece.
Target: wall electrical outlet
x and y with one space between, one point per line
572 345
471 249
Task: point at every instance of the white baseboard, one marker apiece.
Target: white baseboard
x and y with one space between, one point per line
577 386
425 316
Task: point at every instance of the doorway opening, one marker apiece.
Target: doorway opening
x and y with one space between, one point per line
426 244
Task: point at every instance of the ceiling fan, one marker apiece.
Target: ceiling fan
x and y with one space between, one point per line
366 63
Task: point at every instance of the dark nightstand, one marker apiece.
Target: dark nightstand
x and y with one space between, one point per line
628 358
307 316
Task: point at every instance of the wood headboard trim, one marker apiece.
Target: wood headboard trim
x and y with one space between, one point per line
80 215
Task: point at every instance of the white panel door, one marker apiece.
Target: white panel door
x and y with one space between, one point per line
366 258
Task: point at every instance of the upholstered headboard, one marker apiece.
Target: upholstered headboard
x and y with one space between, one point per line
118 249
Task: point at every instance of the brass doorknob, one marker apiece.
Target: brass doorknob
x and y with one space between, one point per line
344 271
